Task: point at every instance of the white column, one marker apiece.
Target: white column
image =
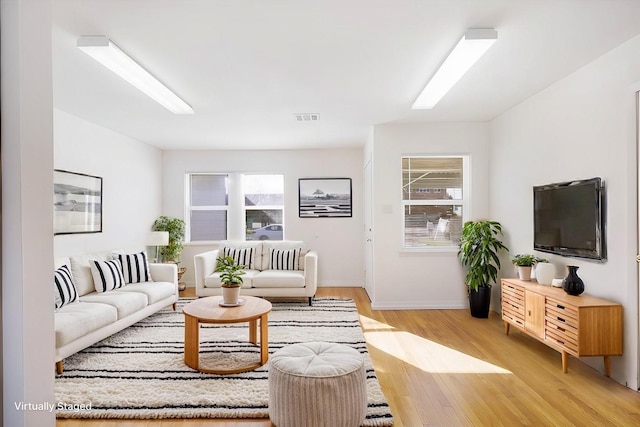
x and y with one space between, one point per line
27 227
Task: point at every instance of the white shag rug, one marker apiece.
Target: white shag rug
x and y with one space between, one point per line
140 373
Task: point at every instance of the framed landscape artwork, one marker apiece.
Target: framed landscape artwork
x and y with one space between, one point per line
324 197
77 203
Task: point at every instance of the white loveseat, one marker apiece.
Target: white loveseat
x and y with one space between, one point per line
273 269
98 315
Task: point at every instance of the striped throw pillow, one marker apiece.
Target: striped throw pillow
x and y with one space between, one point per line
243 256
107 275
135 267
284 259
65 289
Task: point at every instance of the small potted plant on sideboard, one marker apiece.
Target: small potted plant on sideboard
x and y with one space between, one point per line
525 263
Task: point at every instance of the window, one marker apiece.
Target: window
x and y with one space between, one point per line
264 206
234 206
208 207
434 198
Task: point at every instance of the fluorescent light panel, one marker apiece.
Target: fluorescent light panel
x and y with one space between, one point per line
108 54
469 49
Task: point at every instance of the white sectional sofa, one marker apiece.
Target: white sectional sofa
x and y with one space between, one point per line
94 315
273 269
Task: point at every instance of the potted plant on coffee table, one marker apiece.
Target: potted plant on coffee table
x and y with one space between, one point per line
525 263
479 250
230 279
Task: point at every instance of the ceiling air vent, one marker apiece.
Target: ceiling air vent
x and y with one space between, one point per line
307 117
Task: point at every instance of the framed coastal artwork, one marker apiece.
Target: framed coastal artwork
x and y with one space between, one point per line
77 203
324 198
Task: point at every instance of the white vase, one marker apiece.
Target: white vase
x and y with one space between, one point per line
524 272
230 296
545 272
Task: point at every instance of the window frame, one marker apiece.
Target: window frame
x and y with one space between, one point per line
246 208
189 207
464 202
236 208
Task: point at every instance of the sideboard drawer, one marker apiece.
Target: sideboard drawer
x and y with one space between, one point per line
512 316
562 313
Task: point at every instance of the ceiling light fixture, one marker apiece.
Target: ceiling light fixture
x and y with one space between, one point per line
469 49
108 54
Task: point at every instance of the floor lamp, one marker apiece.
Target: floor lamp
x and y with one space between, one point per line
157 239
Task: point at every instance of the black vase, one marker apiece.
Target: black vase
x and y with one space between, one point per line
479 302
572 284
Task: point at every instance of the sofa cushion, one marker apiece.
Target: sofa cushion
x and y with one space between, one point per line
125 302
64 289
107 275
242 256
77 320
279 279
213 281
280 245
155 291
135 267
284 259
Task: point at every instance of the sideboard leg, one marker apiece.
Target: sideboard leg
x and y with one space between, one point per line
506 327
607 366
565 362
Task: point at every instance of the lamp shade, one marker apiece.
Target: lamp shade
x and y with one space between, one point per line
158 238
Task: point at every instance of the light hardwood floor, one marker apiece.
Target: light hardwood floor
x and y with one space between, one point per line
445 368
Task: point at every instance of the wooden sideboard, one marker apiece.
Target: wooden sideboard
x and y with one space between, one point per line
573 325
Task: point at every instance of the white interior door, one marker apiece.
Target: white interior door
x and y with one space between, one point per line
368 231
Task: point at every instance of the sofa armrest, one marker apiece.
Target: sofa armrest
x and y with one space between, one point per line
311 272
204 265
165 273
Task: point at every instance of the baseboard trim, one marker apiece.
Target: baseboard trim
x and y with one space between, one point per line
419 305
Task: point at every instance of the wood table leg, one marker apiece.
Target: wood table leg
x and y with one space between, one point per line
264 339
191 342
253 331
565 362
607 366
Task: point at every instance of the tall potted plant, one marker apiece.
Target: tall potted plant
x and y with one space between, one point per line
175 227
230 279
479 250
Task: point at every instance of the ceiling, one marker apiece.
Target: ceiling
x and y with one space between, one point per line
247 66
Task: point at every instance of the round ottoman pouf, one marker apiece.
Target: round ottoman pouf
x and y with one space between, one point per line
317 384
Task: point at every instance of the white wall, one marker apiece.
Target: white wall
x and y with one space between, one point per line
420 279
337 240
27 227
131 183
583 126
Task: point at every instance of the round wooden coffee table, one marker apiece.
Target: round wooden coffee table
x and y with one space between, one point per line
208 310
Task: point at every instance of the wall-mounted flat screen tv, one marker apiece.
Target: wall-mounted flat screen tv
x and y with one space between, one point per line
569 218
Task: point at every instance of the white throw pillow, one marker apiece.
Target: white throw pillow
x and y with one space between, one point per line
107 275
135 267
284 259
245 256
280 245
65 290
81 271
